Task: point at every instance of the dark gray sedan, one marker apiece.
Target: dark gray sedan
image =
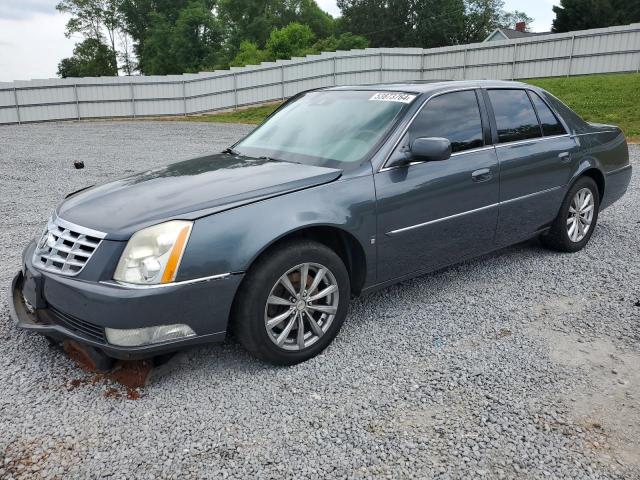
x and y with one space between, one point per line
341 191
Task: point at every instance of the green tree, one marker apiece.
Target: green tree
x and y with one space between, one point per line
385 23
307 12
141 20
249 20
91 58
156 56
92 18
189 43
196 40
438 23
344 41
294 40
510 19
254 20
249 54
424 23
483 16
584 14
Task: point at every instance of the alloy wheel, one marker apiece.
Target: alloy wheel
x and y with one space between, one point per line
580 215
301 306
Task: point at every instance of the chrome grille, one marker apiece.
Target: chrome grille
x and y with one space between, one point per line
65 248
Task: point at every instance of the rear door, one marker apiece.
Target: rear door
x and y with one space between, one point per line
535 156
432 214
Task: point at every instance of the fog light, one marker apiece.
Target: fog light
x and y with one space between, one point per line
135 337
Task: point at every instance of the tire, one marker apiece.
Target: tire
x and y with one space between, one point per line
559 238
265 283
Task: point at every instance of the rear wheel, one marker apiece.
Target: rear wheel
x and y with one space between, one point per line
577 218
292 303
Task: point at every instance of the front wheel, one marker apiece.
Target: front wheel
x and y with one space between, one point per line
577 218
292 303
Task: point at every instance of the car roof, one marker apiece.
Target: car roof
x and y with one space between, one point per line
432 86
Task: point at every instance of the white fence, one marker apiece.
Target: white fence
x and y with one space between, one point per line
614 49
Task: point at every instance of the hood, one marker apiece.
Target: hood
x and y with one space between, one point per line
186 190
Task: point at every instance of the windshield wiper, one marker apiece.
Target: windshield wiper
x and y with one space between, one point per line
278 160
231 151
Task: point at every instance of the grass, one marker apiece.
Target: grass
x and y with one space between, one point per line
613 99
252 115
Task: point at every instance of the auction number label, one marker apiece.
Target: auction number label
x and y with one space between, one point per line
393 97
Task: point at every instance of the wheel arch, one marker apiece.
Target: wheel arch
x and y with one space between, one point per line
597 177
343 243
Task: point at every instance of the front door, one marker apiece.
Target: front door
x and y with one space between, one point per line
432 214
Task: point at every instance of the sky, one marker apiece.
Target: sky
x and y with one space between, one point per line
32 39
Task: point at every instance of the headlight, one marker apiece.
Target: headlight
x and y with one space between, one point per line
153 255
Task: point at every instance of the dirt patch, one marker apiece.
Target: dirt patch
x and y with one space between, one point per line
124 380
608 405
29 459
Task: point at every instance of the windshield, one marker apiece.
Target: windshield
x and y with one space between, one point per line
326 128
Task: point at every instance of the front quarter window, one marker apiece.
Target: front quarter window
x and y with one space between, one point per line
327 127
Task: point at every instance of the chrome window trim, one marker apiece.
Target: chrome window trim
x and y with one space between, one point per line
564 125
456 154
488 147
537 92
475 210
135 286
384 168
530 140
411 120
585 134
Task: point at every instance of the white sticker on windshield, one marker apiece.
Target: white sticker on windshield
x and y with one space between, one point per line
393 97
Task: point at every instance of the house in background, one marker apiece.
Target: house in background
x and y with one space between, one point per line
510 34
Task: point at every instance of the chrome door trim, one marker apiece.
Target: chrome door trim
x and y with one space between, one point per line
431 222
534 194
475 210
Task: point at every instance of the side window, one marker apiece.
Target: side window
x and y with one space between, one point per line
515 117
550 123
455 116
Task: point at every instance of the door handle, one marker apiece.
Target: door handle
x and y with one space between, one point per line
564 156
482 175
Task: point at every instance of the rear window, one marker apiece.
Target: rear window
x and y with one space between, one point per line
515 117
574 121
550 123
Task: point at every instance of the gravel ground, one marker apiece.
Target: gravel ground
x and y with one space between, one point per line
522 364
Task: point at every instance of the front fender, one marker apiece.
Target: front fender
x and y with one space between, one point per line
230 241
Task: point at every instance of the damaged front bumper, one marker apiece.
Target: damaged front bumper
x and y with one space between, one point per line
68 309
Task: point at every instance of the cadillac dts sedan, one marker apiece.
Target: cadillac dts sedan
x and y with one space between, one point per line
339 192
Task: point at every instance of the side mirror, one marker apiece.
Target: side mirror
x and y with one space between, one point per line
431 149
